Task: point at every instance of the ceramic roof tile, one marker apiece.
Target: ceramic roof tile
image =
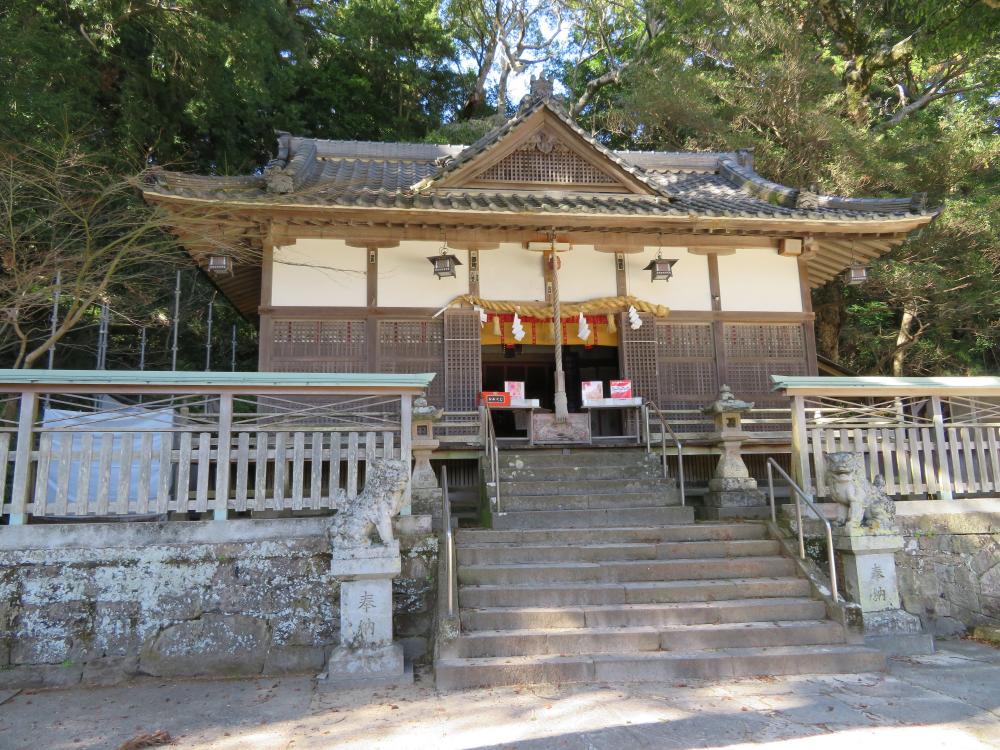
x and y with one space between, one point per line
393 175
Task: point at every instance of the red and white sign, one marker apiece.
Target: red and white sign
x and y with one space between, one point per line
494 398
621 389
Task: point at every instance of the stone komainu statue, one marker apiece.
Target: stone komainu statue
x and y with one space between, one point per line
368 517
868 507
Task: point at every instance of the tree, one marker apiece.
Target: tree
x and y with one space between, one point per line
776 77
63 214
502 37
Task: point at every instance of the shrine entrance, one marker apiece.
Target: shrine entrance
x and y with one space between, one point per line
534 366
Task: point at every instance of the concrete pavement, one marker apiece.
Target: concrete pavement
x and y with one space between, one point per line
948 700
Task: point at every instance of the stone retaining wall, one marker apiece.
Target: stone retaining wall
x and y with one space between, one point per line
949 568
100 603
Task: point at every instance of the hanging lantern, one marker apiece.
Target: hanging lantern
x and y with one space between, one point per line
660 268
445 263
220 264
856 274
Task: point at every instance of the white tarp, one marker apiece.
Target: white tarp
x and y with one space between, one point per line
122 424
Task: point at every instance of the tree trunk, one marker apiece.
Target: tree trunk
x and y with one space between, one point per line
903 341
828 304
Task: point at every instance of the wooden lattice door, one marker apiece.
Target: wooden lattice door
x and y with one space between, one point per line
638 356
463 367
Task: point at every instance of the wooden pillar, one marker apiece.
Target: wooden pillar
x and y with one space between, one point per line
221 507
801 472
946 491
22 458
718 326
406 443
266 336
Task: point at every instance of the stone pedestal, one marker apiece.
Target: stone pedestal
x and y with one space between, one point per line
366 656
732 492
869 564
426 497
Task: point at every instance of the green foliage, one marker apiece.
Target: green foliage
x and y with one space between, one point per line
862 97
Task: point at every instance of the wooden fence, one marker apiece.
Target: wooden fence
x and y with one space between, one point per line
924 436
153 444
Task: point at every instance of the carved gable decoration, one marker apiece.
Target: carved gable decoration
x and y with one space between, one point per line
544 158
540 149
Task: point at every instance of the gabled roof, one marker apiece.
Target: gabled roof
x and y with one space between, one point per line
364 174
423 184
543 117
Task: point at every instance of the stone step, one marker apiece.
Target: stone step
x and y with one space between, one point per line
584 486
666 497
587 457
494 554
651 534
632 615
655 592
658 666
585 471
645 638
588 519
620 571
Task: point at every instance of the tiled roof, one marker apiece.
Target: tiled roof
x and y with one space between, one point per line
408 176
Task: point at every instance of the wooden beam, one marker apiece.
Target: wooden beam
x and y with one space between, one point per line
376 243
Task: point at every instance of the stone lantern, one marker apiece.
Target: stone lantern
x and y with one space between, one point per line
425 492
733 493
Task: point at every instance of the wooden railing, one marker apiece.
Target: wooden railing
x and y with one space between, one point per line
923 436
79 445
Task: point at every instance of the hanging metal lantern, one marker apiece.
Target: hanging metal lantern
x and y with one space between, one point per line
220 264
444 264
660 268
856 275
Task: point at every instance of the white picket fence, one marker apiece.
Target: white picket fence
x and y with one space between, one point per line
140 451
942 443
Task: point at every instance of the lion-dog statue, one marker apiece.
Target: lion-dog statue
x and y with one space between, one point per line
868 507
366 519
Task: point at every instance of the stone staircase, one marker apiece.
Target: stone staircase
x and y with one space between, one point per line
593 572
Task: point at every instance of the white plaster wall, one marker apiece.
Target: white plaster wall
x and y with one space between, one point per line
586 274
406 278
759 280
319 273
689 289
511 273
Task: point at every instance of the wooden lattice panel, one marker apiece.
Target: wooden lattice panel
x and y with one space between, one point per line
763 340
687 367
463 369
545 159
319 346
639 357
407 346
755 351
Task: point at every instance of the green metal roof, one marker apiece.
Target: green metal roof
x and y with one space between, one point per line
188 380
879 385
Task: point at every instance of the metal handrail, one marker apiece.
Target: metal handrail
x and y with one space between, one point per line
800 493
663 444
492 454
449 541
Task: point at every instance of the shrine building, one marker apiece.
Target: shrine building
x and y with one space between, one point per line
676 271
